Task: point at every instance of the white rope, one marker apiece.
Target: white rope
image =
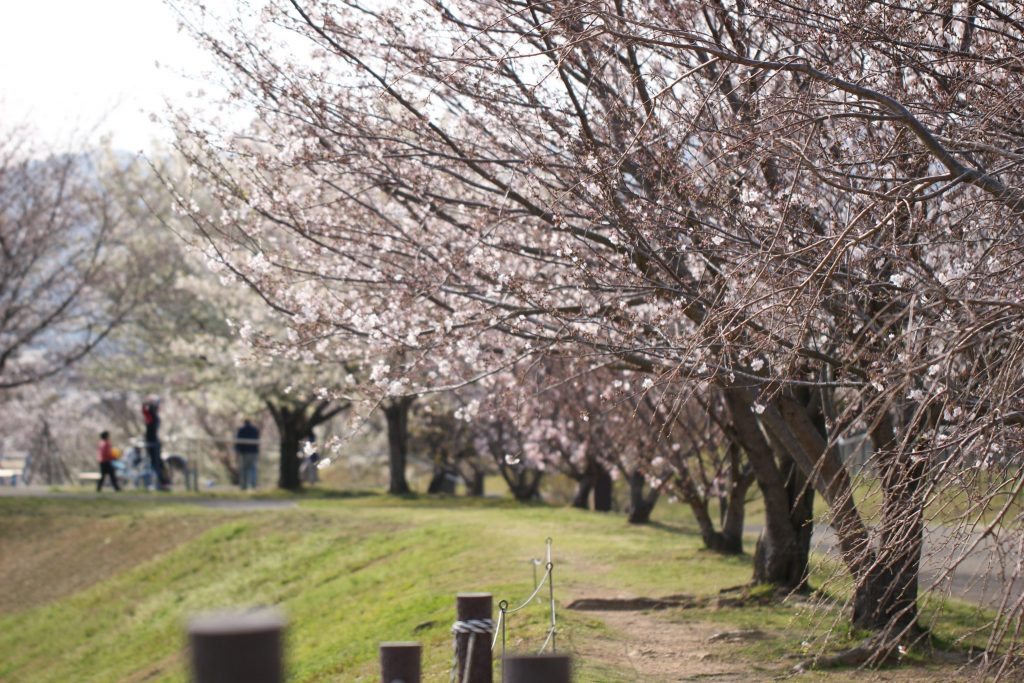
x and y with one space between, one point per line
547 578
473 626
497 629
551 632
536 590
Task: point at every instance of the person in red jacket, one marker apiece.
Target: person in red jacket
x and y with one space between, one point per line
105 456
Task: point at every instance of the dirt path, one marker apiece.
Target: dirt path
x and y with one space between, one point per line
662 646
659 649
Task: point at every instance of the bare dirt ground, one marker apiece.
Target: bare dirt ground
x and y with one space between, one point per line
662 648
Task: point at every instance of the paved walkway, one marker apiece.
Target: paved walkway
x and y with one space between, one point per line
979 575
152 497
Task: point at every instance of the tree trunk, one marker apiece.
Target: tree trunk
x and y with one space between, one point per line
472 475
713 539
885 598
603 490
791 424
291 435
786 567
736 505
475 484
779 559
397 414
523 483
581 499
443 480
640 506
437 481
294 425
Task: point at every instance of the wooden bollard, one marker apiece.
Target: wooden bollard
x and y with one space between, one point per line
474 630
400 662
237 647
550 668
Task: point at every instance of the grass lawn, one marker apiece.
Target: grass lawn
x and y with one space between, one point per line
99 589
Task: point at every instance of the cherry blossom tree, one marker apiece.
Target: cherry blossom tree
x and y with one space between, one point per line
202 340
67 263
379 298
814 209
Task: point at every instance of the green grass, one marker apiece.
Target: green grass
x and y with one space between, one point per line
349 571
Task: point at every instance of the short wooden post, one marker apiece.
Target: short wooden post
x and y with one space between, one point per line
400 662
548 668
237 647
474 630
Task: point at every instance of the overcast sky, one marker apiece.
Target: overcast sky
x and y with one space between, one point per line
70 65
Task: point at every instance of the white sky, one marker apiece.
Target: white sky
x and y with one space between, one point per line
73 65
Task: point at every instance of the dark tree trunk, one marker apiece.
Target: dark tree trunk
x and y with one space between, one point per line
472 474
522 482
640 505
293 427
885 598
442 481
778 557
735 502
792 424
581 499
475 483
787 567
713 539
291 435
603 490
397 414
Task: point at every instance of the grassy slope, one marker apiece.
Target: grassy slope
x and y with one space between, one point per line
349 573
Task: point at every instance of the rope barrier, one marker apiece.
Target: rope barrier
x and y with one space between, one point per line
543 580
551 597
501 627
473 626
504 610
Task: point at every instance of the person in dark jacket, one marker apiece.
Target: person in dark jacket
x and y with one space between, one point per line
247 447
151 416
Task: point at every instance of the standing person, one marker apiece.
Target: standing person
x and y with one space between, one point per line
308 470
105 457
718 490
247 446
151 415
